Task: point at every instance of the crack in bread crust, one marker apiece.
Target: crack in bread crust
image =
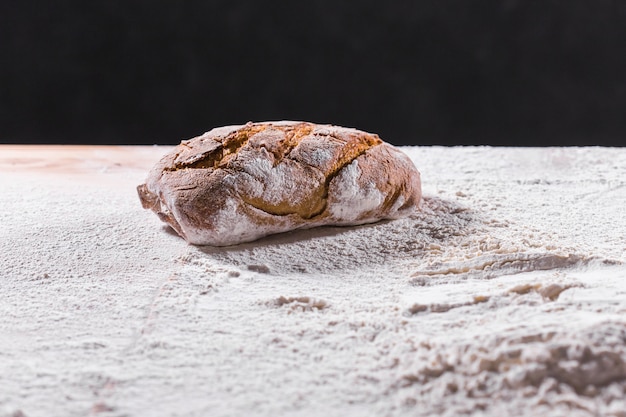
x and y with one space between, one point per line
222 152
293 136
356 147
317 201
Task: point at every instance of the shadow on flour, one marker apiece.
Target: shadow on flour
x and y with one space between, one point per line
444 240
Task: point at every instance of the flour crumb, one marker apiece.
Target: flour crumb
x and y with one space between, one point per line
301 303
261 269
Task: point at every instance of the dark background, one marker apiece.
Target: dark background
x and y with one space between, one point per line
500 72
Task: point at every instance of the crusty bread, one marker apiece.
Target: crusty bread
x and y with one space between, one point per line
238 183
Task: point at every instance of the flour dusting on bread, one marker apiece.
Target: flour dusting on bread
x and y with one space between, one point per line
353 200
236 184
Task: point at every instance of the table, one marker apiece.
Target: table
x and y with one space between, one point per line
504 295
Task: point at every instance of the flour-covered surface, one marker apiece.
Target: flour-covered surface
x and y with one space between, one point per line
505 295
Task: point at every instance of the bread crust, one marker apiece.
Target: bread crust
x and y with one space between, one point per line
236 184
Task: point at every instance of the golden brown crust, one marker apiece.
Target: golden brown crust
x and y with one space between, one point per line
239 183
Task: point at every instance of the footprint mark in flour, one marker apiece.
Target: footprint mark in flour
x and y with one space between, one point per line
548 292
496 264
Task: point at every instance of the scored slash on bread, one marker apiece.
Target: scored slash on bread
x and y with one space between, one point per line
236 184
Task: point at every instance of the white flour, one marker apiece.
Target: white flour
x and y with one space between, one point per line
505 295
346 191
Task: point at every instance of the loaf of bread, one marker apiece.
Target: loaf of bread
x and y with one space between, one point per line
236 184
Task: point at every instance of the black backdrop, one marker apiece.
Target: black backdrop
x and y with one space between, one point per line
501 72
